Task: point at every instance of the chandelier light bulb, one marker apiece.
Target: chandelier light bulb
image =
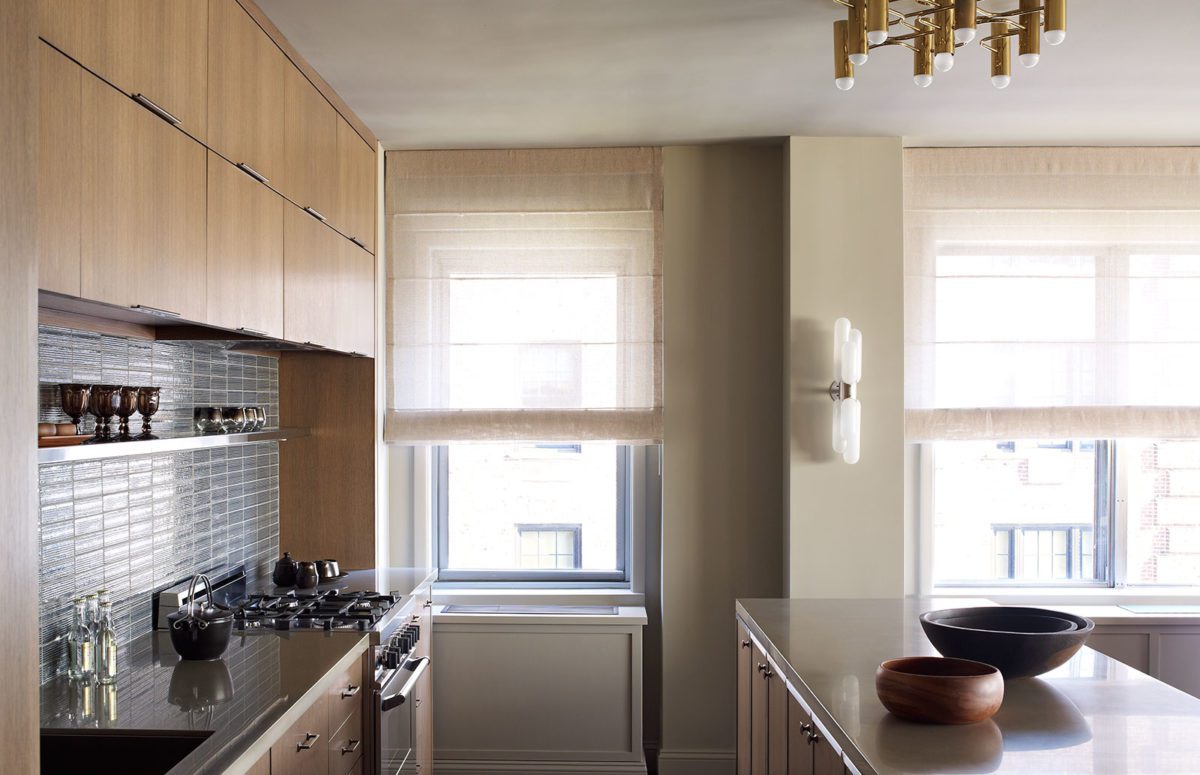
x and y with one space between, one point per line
943 62
875 37
923 79
856 33
877 21
964 20
1056 21
964 34
1001 81
844 84
1030 60
843 68
858 59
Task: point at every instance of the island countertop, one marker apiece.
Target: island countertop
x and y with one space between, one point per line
1091 715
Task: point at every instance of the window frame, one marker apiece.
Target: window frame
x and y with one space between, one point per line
626 516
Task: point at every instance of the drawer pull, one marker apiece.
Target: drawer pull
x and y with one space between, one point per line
745 644
310 740
246 168
254 331
351 746
311 211
350 691
156 109
359 242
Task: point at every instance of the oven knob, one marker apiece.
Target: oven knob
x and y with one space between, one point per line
391 657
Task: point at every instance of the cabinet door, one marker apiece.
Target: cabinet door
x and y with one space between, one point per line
759 711
304 749
155 49
262 766
826 760
745 675
423 704
143 207
59 85
355 300
800 750
310 278
355 214
245 90
777 720
245 251
309 145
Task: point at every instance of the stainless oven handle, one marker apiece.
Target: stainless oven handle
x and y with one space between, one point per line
416 667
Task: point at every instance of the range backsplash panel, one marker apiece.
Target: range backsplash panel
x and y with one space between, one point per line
134 525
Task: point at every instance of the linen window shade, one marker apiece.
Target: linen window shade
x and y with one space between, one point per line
1052 293
524 295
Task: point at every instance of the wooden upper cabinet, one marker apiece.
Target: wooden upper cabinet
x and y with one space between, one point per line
245 252
311 284
309 145
153 50
355 300
143 207
356 162
245 91
60 84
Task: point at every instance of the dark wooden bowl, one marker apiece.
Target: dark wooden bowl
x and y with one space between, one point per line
1021 642
938 690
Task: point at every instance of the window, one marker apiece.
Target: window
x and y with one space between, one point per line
1112 512
533 512
550 547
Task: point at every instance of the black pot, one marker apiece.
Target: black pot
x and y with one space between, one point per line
200 632
306 576
284 574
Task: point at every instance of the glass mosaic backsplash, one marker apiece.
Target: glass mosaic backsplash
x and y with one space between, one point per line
134 525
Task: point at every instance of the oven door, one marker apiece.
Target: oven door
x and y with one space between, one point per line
393 711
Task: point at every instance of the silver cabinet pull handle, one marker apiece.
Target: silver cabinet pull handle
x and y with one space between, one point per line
761 667
254 331
359 242
351 747
768 673
310 739
745 644
350 691
814 738
157 109
246 168
156 311
311 211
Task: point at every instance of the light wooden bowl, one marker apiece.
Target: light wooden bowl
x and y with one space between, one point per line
939 690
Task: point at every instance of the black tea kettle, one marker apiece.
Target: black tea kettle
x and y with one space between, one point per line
284 574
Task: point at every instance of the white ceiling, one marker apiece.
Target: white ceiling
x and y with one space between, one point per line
515 73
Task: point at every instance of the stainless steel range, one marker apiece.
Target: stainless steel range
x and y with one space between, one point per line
389 619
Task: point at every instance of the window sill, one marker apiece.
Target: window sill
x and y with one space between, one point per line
1111 596
447 593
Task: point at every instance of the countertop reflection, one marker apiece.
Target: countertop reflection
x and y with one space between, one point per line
1091 715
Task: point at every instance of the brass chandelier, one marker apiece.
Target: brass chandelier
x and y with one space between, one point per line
935 28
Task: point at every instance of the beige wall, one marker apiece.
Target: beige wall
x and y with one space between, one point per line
846 529
18 387
723 476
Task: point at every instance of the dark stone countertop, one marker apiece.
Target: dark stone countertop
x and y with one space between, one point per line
259 678
1091 715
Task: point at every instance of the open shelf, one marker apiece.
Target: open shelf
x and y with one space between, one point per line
177 443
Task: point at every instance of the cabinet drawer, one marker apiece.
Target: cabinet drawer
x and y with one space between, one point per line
304 749
345 696
346 745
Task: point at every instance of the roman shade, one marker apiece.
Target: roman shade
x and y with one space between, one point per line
1052 293
524 295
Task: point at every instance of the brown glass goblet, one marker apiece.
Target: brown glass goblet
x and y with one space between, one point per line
129 399
75 402
147 405
104 402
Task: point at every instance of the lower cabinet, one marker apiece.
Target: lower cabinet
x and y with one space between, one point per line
330 738
775 733
304 749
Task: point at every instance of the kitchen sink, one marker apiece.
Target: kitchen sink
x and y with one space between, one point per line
131 753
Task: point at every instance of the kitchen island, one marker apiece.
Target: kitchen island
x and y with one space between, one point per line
811 706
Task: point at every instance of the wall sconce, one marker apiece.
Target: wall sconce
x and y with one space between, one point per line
847 412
